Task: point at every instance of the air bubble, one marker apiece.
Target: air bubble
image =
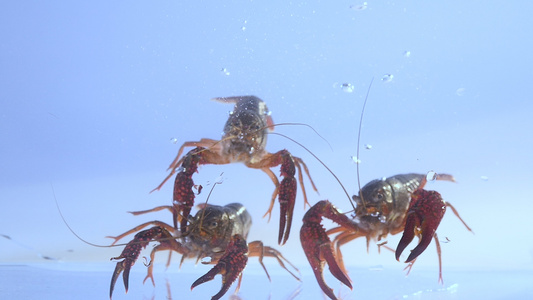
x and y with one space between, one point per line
174 140
359 6
368 146
347 87
206 260
356 160
484 178
387 78
225 71
460 92
407 54
431 176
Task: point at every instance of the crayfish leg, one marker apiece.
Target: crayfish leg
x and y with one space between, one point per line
139 227
256 248
204 143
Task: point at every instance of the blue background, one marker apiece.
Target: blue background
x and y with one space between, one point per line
93 95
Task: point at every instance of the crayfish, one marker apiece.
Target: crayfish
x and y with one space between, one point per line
244 140
215 232
387 206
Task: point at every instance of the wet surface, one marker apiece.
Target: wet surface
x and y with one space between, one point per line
70 281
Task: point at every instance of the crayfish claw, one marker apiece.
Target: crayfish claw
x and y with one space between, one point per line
230 265
423 218
183 194
317 245
122 266
287 196
131 253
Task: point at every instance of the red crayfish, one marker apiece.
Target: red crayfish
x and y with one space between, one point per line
387 206
216 232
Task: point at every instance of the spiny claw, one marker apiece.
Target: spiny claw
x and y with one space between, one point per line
317 245
131 253
183 187
230 265
125 266
287 196
423 218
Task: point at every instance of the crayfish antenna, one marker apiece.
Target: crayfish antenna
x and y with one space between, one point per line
359 145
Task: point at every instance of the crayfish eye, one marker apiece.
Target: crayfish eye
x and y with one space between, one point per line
379 196
213 224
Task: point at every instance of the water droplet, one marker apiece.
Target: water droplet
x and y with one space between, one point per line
484 178
225 71
206 260
359 6
347 87
387 78
368 146
407 54
219 179
431 176
174 140
356 160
